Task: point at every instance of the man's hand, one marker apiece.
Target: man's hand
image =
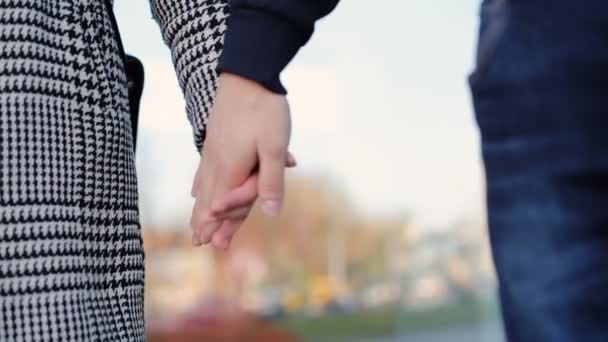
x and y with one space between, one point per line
248 132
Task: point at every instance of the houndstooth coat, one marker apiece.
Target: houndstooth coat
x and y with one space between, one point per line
71 258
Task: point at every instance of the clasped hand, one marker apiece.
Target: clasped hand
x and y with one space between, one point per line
243 159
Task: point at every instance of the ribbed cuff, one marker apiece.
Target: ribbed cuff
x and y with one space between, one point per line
259 45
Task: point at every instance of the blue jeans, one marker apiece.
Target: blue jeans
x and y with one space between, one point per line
540 92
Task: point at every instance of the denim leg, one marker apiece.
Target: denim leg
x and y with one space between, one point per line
540 92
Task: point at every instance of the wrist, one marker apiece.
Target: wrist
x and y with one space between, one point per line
248 91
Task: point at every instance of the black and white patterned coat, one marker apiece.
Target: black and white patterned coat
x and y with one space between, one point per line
71 259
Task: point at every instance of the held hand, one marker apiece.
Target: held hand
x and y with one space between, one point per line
249 128
236 204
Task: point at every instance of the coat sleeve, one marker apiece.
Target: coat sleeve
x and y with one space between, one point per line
264 35
194 31
255 39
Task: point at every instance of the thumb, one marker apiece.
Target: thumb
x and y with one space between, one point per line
271 181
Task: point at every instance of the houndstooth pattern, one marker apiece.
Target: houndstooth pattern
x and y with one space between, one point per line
194 30
71 257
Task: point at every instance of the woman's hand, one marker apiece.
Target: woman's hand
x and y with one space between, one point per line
248 131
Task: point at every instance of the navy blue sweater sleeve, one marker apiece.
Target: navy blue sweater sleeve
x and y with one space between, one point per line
264 35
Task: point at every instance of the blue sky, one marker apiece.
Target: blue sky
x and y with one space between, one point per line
380 106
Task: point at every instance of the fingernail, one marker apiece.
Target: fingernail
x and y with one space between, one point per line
195 240
271 207
226 243
199 238
222 245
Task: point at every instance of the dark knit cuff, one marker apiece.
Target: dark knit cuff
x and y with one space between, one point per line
259 45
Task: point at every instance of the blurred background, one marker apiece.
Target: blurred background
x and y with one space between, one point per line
383 234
